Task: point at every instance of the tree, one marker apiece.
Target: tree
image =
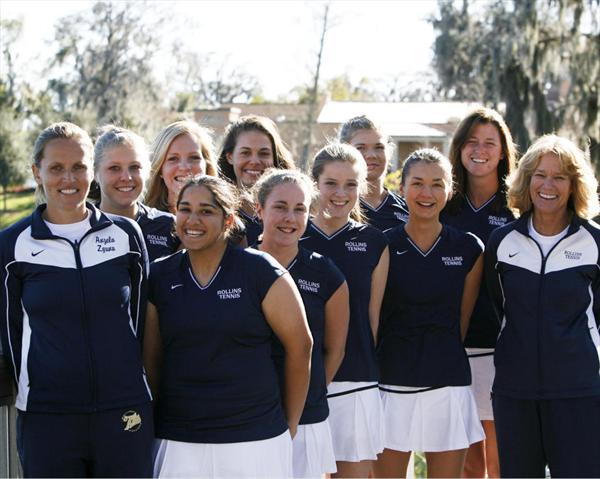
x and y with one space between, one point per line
103 64
203 80
12 151
541 58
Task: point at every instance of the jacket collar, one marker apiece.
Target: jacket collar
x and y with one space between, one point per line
522 224
39 229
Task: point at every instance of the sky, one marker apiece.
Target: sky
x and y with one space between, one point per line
276 41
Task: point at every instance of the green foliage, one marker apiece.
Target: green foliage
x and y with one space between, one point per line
541 58
392 181
18 205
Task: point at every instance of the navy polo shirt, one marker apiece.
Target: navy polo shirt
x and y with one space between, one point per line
390 213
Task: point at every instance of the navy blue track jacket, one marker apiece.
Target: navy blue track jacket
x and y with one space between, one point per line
71 314
549 346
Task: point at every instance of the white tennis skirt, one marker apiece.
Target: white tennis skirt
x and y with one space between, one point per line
434 420
313 450
356 420
265 459
482 372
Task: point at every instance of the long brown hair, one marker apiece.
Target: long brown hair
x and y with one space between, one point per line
506 165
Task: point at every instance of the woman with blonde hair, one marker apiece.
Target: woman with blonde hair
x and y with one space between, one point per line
121 168
543 273
181 151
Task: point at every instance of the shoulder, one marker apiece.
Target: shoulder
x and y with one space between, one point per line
127 224
153 214
10 235
251 257
167 263
319 263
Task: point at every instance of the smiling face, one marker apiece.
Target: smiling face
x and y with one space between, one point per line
65 173
200 221
121 179
338 189
550 187
372 148
426 190
284 214
183 161
252 155
482 151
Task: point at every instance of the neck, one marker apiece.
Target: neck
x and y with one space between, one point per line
206 261
129 211
59 216
329 225
285 254
376 192
550 224
480 190
423 231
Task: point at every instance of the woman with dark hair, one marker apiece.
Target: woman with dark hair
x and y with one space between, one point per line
543 274
214 308
71 319
250 146
482 154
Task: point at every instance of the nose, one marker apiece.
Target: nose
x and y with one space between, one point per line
125 174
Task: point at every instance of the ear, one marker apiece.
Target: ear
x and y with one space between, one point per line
229 158
259 211
229 221
36 174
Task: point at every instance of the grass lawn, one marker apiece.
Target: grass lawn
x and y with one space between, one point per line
18 205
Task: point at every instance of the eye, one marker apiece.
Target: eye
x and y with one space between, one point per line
114 168
330 183
183 209
80 167
135 167
56 168
195 158
360 147
206 211
300 209
172 158
380 147
538 175
279 207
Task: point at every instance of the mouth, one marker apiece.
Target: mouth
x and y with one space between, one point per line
479 161
253 172
69 191
286 229
193 233
426 204
125 189
183 179
339 203
546 196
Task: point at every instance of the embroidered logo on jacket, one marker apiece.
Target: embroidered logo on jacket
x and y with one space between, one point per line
132 421
103 244
576 255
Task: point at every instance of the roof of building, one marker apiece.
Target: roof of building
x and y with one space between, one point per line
403 113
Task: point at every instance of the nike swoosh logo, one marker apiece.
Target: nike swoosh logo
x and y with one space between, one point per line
401 252
514 254
173 286
35 254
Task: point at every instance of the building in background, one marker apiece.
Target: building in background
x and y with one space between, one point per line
411 125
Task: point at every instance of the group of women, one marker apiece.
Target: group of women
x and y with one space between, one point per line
295 325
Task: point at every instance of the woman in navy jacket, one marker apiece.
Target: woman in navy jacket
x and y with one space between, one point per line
73 301
543 275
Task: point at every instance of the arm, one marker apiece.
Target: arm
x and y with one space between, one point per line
337 315
469 297
378 280
152 351
284 311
